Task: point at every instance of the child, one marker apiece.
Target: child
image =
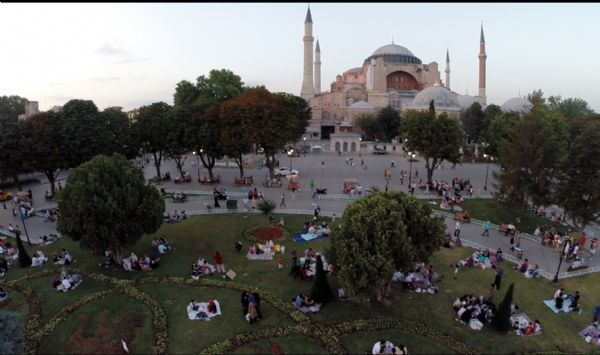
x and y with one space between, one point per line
280 264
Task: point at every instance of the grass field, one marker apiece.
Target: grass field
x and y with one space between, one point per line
104 321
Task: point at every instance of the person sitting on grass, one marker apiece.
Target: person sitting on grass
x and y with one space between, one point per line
537 328
39 259
145 263
126 263
238 246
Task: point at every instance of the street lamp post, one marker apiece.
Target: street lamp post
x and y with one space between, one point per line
290 152
24 227
304 147
562 252
488 158
197 162
411 155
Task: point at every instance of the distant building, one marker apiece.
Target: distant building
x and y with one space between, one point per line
31 109
132 114
55 109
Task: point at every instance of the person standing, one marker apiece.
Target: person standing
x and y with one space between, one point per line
59 187
498 278
312 186
282 203
30 194
486 228
293 192
244 300
219 261
294 255
457 229
323 164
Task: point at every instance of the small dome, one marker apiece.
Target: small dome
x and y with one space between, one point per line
362 104
393 49
354 70
517 104
442 97
465 101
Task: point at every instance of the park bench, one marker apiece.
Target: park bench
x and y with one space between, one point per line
462 217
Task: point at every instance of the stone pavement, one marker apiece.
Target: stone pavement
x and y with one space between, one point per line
330 177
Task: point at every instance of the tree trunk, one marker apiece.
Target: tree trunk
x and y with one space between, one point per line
208 164
52 180
17 182
238 160
179 161
270 162
157 159
430 169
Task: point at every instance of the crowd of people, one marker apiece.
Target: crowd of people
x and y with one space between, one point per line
420 279
175 216
63 258
321 230
134 263
202 268
474 311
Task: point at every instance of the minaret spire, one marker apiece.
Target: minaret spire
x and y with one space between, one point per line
308 89
317 69
447 69
482 71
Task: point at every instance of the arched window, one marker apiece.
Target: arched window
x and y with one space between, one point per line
337 146
395 101
345 146
353 147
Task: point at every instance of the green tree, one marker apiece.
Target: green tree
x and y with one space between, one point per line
501 321
11 107
578 186
122 138
474 122
44 145
186 93
528 159
536 98
569 108
435 138
178 146
203 133
83 132
107 205
321 291
498 130
389 123
12 339
266 207
369 125
151 123
13 151
380 234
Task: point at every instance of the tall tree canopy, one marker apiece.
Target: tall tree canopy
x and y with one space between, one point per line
379 235
44 144
107 205
369 125
528 157
498 130
151 123
570 107
384 126
179 118
122 138
474 122
219 86
435 138
578 187
83 132
11 107
13 151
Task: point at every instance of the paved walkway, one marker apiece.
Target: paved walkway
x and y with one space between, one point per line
331 177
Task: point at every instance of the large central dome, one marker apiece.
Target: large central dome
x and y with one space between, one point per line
393 53
392 49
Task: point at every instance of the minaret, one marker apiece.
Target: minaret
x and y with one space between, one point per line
308 89
317 69
482 57
447 70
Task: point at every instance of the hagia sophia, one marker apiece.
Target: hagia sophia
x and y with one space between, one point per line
391 75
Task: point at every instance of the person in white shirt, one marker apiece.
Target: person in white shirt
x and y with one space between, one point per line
457 229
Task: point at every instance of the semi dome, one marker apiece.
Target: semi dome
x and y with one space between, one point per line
362 104
393 53
517 104
465 101
442 98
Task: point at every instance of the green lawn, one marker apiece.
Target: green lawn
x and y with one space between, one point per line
498 213
201 236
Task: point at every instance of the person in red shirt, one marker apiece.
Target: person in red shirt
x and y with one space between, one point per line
582 241
219 261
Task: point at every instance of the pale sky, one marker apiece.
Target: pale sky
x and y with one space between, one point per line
134 54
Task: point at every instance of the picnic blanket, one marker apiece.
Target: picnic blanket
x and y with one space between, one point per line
566 304
261 256
193 315
591 334
302 238
305 309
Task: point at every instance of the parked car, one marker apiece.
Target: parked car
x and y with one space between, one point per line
379 151
285 171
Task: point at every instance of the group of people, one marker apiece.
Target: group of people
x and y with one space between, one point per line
63 258
420 279
202 313
306 304
176 216
321 230
202 268
485 259
49 238
523 326
66 282
306 268
560 296
529 271
475 311
251 306
387 347
160 246
38 259
8 251
134 263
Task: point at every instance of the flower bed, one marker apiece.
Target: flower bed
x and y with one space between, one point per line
267 233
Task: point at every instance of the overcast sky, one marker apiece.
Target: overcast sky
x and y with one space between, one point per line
134 54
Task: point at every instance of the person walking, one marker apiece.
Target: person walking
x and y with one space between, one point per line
498 278
457 229
293 192
282 203
312 186
486 228
323 165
